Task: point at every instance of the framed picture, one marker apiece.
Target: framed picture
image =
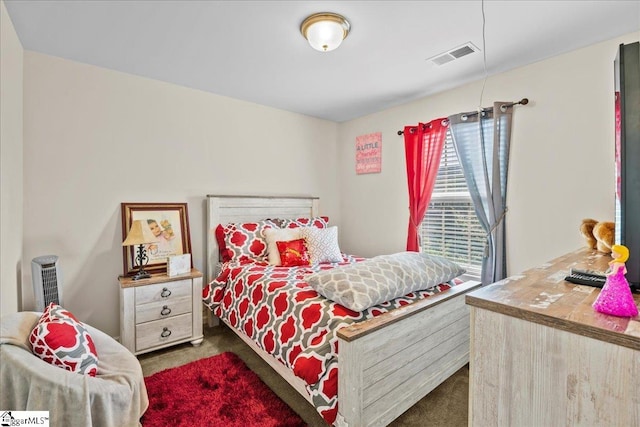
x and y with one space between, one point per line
369 153
169 222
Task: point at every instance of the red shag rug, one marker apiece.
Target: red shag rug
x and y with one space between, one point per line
216 391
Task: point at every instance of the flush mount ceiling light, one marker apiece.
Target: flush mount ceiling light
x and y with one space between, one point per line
325 31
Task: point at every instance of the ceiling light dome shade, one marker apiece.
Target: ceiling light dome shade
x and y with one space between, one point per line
325 31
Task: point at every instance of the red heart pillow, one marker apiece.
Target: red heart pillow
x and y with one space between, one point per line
293 253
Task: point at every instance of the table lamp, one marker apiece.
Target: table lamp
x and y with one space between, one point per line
140 234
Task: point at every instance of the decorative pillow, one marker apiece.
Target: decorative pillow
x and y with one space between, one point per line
61 340
322 244
246 240
382 278
293 253
316 221
273 235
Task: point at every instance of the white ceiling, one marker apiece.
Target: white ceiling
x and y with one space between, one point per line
253 50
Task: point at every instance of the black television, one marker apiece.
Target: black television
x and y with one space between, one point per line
627 156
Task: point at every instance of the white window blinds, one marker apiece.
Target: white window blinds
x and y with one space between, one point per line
450 227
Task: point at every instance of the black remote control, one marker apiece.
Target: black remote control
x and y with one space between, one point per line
587 272
589 280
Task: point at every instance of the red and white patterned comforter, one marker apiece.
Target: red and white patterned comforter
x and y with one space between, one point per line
280 312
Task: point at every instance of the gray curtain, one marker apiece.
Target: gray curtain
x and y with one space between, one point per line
482 143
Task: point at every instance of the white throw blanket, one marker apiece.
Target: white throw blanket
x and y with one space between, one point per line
116 397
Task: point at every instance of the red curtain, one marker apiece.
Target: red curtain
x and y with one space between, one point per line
423 148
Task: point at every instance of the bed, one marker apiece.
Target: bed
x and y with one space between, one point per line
389 357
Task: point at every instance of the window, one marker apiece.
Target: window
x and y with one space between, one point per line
450 227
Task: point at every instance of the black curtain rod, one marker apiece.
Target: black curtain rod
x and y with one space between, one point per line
503 107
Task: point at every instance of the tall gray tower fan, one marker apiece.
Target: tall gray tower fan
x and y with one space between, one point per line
47 281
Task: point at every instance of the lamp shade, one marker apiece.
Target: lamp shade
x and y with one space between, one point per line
139 234
325 31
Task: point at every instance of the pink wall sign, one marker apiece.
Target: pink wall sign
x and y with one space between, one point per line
369 153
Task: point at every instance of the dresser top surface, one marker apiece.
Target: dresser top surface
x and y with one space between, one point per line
541 295
128 282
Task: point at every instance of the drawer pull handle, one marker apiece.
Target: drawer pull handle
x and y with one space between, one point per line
165 332
165 311
165 293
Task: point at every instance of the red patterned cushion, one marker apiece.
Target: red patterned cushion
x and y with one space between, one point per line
225 254
247 240
61 340
316 221
293 253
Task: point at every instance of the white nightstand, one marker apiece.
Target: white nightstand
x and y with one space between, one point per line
161 311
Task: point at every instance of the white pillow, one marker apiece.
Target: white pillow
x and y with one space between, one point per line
322 244
273 235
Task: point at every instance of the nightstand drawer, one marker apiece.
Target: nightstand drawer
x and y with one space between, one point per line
148 306
163 291
163 331
163 309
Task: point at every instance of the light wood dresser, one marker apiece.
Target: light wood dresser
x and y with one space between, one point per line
541 356
161 311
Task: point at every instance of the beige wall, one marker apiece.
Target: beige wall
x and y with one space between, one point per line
11 54
95 138
561 167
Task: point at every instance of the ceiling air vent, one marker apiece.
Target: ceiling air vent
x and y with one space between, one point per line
455 53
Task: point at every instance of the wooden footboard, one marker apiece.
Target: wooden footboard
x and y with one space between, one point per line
388 363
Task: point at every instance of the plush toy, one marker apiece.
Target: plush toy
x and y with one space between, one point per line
598 235
586 229
604 232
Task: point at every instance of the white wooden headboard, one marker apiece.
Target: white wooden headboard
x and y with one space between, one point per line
226 209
